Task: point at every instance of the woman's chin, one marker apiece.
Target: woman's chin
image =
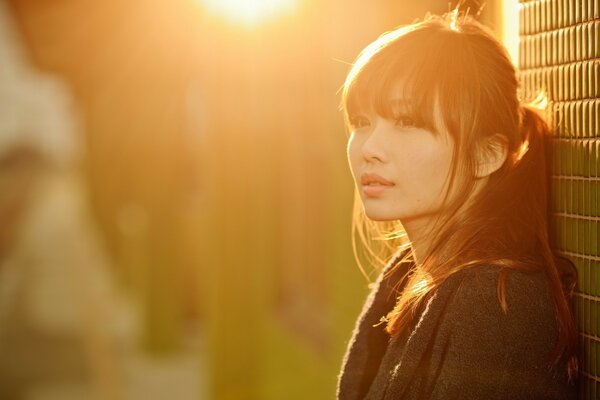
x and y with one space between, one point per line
377 215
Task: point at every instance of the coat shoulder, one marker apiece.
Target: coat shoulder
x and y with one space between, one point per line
480 287
465 346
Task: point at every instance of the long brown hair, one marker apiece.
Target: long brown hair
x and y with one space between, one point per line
456 63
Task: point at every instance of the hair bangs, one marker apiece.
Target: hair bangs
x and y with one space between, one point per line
398 79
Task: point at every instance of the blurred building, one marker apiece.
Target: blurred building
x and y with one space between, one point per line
61 316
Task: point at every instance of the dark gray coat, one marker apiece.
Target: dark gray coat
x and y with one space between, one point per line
462 346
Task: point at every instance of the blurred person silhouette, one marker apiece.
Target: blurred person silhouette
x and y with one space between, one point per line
474 303
61 315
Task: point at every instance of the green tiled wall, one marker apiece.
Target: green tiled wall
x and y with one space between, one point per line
559 52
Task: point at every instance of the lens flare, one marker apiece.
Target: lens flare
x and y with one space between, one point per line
249 12
523 148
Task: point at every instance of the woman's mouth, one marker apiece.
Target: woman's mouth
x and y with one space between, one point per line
375 189
374 184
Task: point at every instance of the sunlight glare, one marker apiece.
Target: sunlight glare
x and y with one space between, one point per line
249 12
421 285
509 11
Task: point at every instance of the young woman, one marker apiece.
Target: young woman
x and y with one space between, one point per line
474 304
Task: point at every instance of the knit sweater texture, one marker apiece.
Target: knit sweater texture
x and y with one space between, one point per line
461 346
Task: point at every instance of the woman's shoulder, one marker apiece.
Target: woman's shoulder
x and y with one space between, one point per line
474 296
475 348
482 281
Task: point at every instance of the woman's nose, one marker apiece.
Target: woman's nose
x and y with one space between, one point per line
374 146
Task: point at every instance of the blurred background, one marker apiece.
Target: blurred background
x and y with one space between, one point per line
174 195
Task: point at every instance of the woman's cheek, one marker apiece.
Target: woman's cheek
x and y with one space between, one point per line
353 155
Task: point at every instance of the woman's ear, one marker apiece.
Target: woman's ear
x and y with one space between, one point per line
492 154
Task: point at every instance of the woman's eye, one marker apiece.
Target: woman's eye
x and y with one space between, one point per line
404 121
359 121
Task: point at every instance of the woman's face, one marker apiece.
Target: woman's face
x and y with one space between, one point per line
413 161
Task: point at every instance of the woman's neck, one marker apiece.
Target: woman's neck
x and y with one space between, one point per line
420 236
422 231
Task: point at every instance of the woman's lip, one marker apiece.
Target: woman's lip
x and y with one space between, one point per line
375 190
367 178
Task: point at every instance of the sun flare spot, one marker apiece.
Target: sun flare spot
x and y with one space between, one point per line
523 148
454 19
249 12
422 285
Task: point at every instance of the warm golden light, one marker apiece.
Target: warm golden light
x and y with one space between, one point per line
509 11
541 100
523 148
249 12
453 20
368 52
422 285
